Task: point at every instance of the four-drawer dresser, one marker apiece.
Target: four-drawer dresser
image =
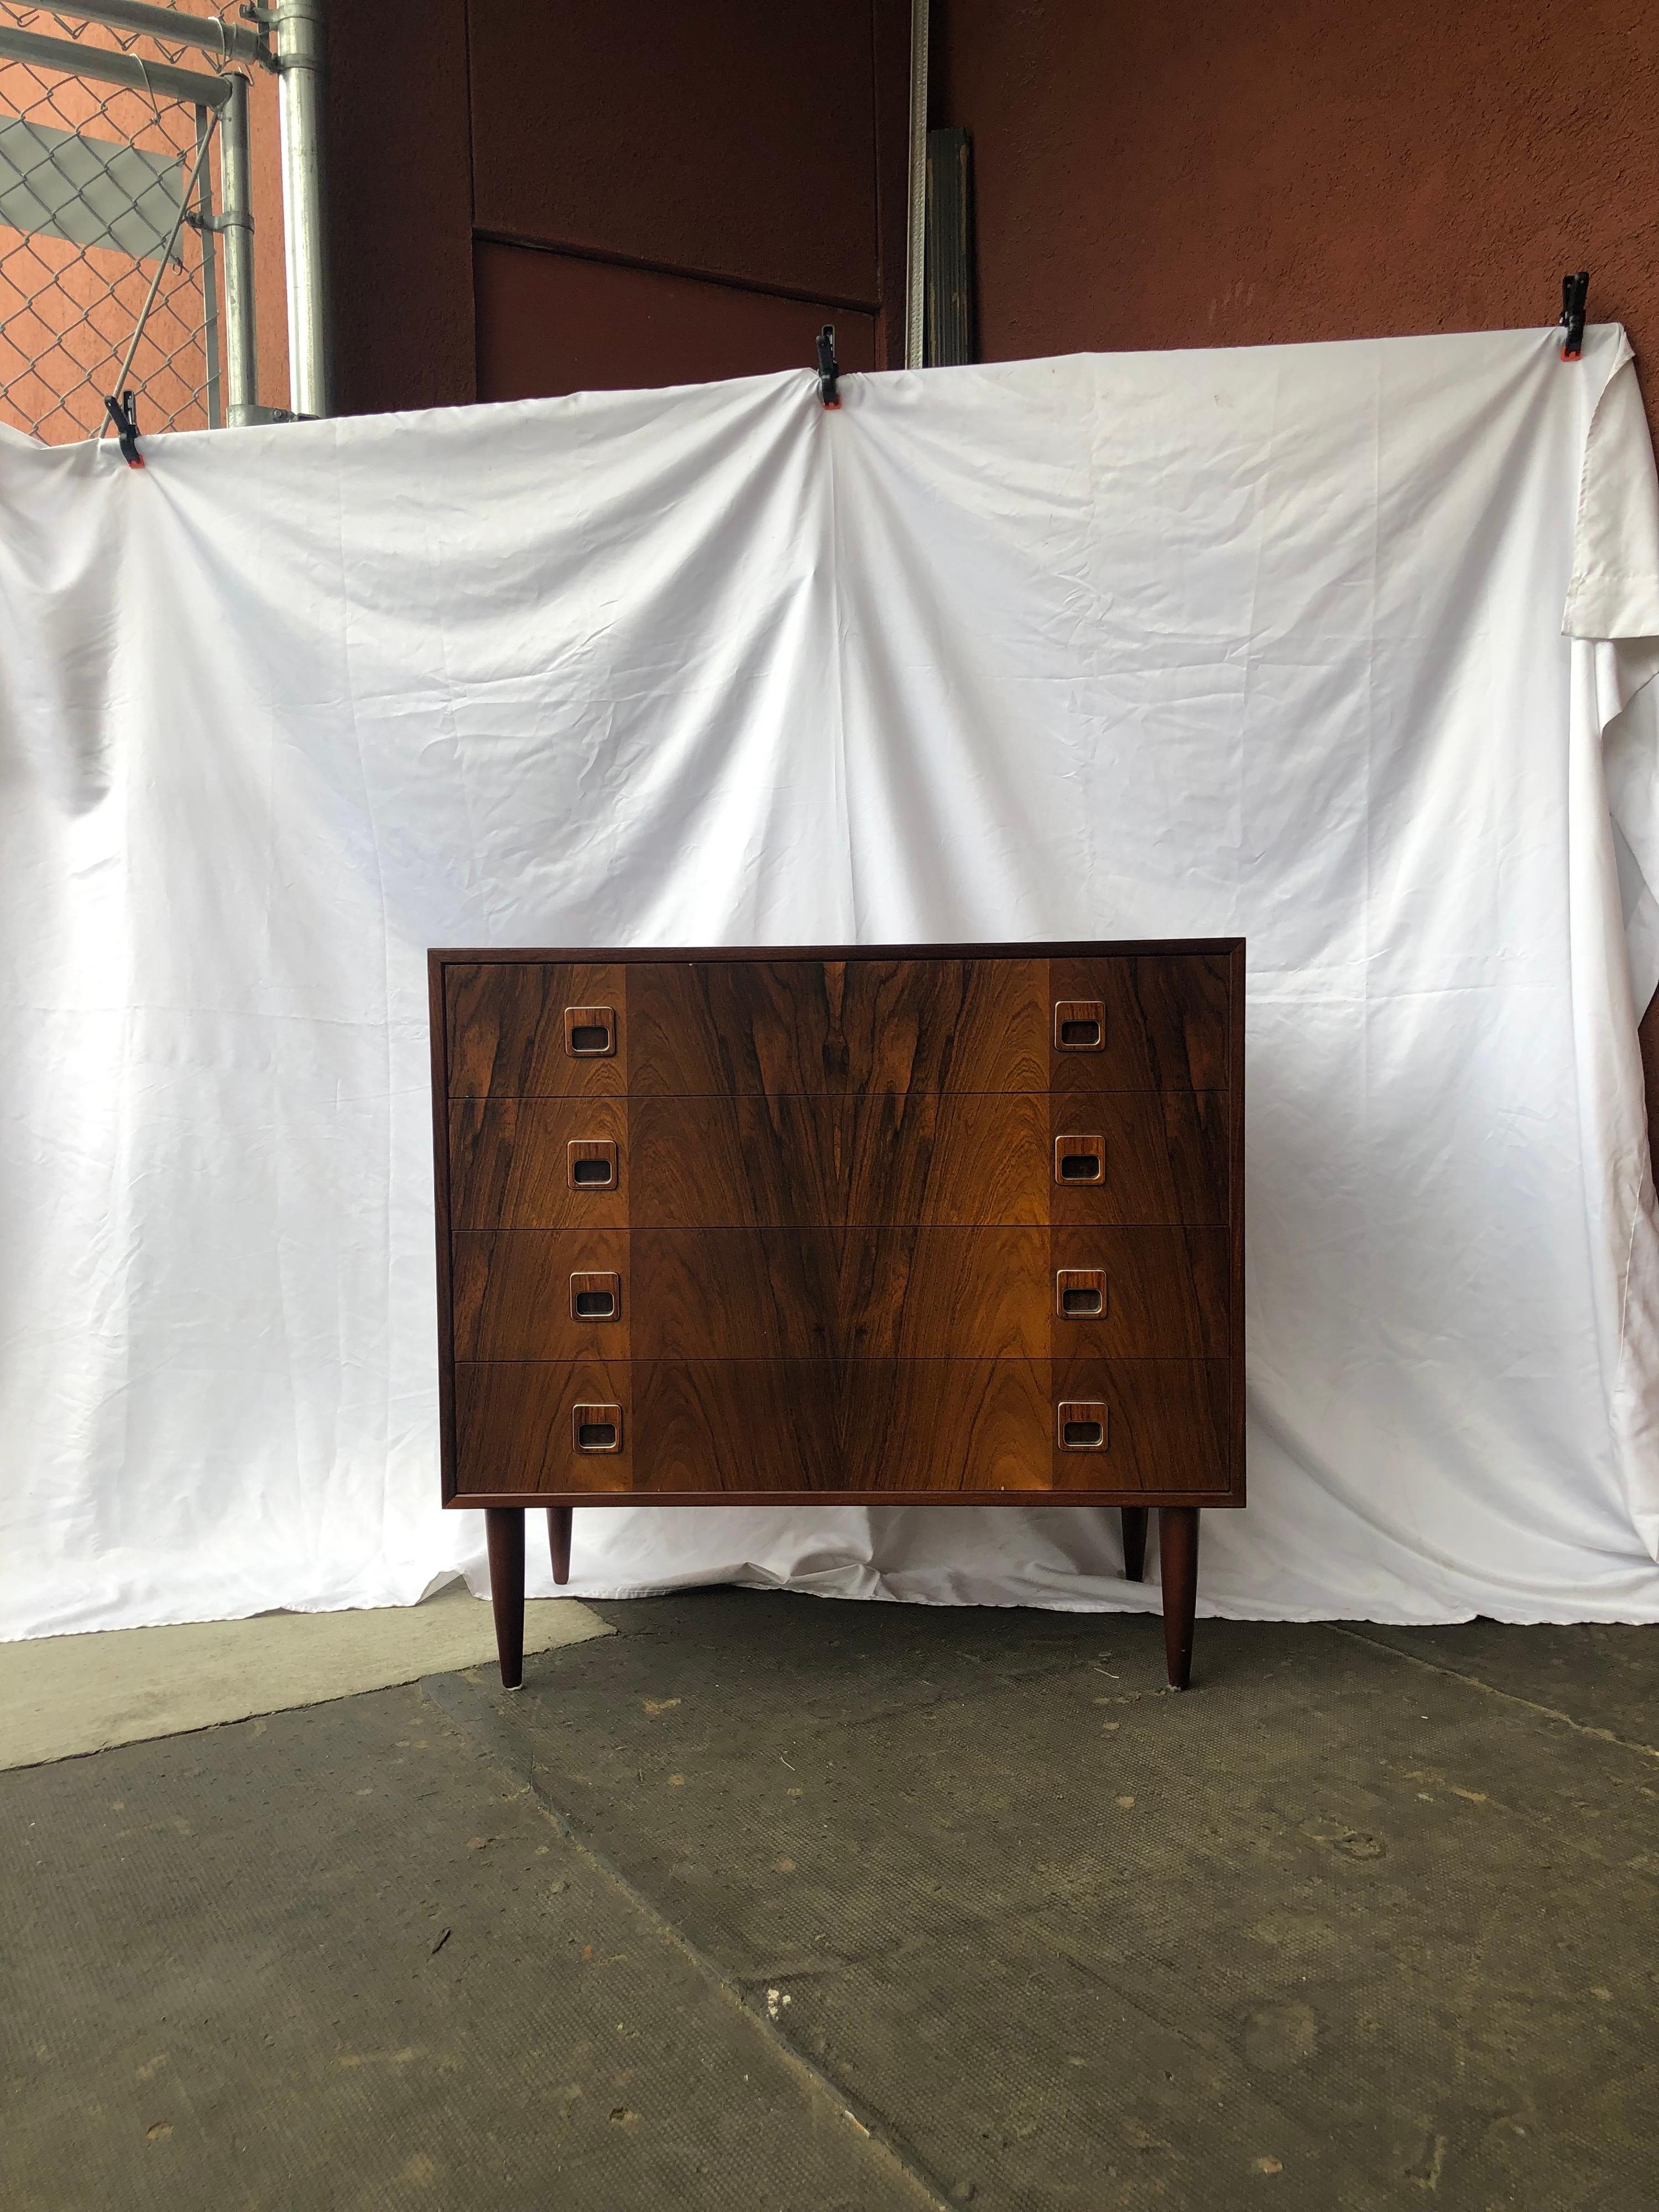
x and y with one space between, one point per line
907 1224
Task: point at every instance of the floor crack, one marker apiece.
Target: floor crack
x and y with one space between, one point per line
1510 1697
495 1744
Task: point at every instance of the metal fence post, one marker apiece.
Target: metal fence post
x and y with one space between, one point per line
236 224
300 55
206 225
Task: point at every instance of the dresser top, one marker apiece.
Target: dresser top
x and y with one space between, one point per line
1020 948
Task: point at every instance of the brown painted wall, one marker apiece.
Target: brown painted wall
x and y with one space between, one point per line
546 319
1226 175
732 139
545 199
400 198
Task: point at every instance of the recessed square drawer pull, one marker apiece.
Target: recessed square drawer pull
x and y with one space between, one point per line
1079 1025
590 1032
1080 1293
593 1164
596 1296
1082 1427
1079 1159
598 1428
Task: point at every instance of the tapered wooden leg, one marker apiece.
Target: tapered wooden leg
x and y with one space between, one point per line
558 1540
1134 1543
1177 1559
504 1532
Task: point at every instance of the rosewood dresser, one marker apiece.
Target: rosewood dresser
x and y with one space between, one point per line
905 1224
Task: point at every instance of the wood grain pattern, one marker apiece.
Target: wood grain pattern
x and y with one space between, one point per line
1167 1293
754 1027
838 1027
749 1293
513 1427
976 1158
509 1163
753 1162
511 1293
792 1161
693 1428
1167 1022
837 1234
901 1292
506 1029
1166 1156
1167 1425
739 1162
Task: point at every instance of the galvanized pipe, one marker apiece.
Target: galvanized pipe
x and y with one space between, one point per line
236 223
300 54
228 39
74 59
207 229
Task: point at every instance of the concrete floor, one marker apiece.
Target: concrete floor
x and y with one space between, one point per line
766 1902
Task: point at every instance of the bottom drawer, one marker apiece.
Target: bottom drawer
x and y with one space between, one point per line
926 1427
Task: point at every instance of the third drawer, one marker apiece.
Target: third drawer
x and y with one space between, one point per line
1006 1292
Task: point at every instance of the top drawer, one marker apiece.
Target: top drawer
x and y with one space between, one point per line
678 1029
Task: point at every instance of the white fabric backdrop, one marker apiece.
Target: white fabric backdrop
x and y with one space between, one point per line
1265 641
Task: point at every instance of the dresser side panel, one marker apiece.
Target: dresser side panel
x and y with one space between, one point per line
437 1028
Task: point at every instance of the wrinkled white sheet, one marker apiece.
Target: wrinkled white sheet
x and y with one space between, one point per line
1265 641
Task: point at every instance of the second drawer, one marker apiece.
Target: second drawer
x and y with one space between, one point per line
961 1160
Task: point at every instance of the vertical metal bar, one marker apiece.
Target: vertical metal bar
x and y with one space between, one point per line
210 271
915 286
236 221
300 52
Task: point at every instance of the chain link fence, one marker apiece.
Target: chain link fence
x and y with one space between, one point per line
110 274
